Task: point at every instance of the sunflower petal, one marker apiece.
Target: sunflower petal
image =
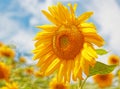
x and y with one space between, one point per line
50 17
46 58
85 66
87 25
69 65
52 67
84 17
61 71
45 65
94 38
49 28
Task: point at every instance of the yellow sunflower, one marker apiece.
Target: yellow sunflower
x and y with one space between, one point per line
38 74
103 80
10 86
4 71
67 45
1 44
7 52
114 60
54 84
29 70
22 59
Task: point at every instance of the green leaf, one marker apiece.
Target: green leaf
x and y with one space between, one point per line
101 68
101 51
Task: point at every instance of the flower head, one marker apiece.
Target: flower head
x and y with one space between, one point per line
7 52
67 45
10 86
29 70
22 59
4 71
1 44
38 74
103 80
54 84
114 60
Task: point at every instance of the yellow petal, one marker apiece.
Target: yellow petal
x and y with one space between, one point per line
80 74
42 52
84 17
72 12
87 30
46 58
85 66
87 25
61 11
45 65
52 10
89 50
76 67
74 7
50 17
85 55
94 38
52 67
61 71
69 65
49 28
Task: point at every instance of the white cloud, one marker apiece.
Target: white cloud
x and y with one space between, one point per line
12 32
107 15
5 26
34 7
23 40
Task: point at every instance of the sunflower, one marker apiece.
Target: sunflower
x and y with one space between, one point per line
54 84
114 60
67 45
1 44
103 80
29 70
6 51
4 71
10 86
38 74
22 59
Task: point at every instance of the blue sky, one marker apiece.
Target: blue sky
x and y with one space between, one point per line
18 19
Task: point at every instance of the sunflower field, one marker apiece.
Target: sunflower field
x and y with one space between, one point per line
65 55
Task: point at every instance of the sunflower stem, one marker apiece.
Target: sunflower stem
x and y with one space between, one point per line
79 84
82 85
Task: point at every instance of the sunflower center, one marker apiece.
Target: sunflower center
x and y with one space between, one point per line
1 74
103 77
114 60
67 42
64 41
59 86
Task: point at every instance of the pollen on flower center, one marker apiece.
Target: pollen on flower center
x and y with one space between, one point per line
103 77
67 42
64 41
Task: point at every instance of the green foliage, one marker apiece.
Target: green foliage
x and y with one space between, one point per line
101 68
101 51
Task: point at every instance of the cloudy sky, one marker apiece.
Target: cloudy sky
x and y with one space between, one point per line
18 19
